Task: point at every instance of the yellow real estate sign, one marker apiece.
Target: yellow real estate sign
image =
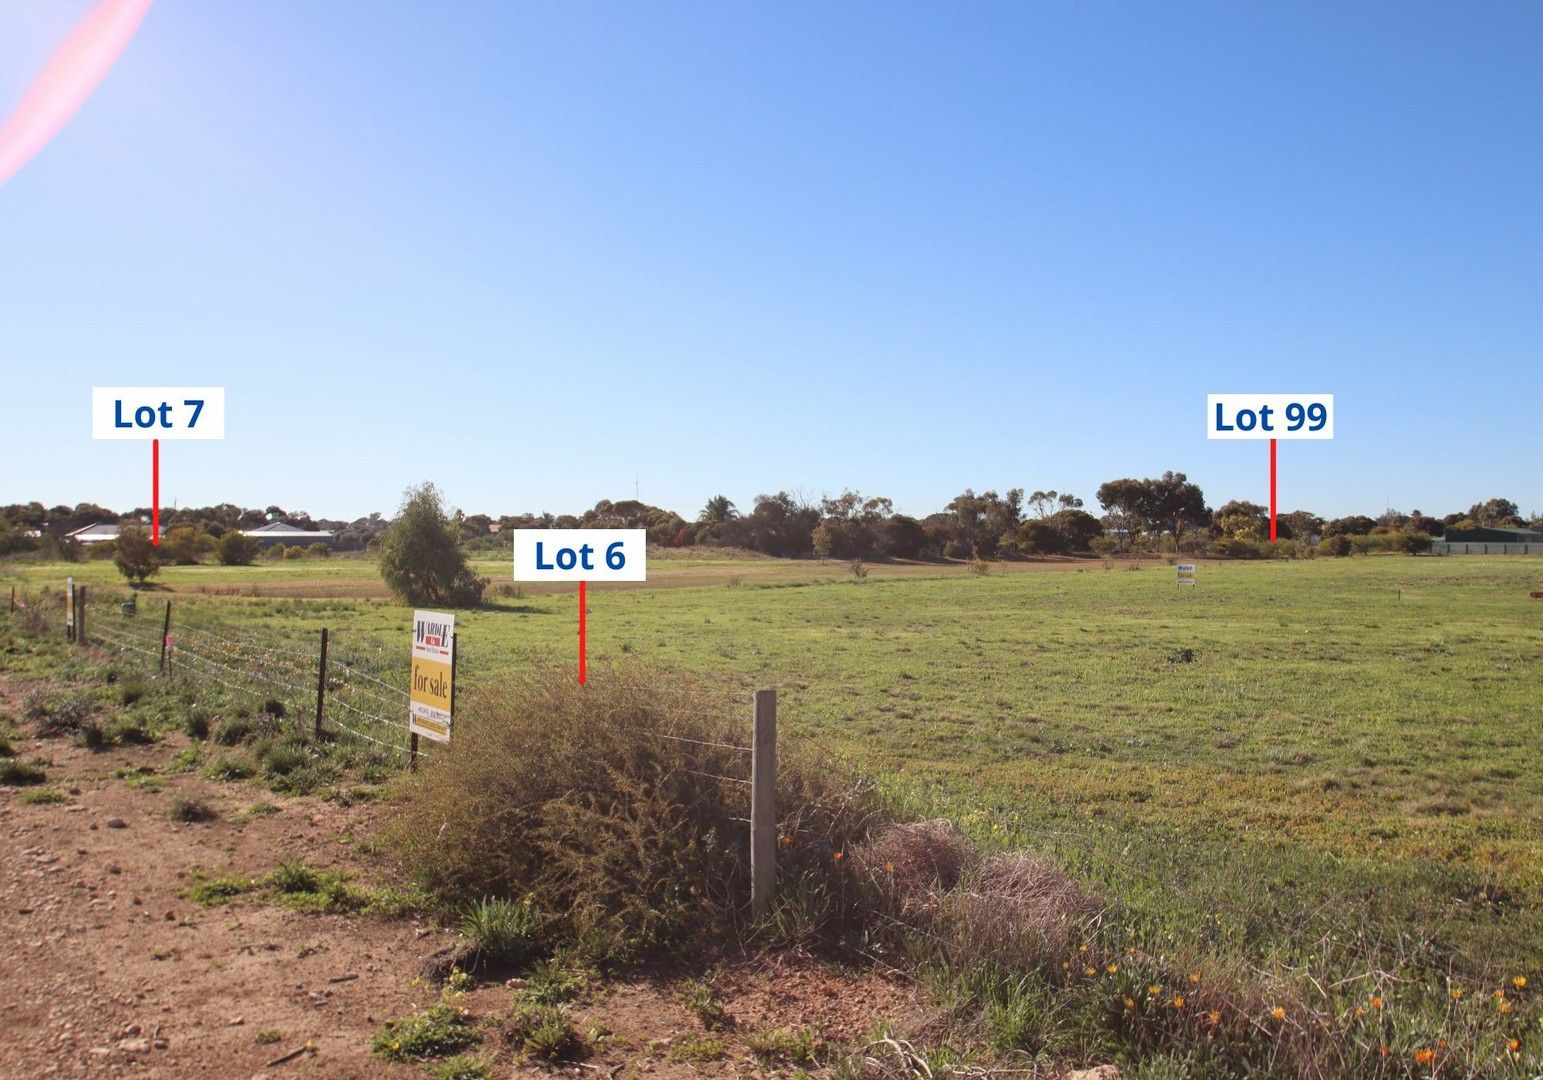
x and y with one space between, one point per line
431 695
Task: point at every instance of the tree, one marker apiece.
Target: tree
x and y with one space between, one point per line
185 545
1241 520
1355 525
1077 527
238 549
421 559
135 556
1122 503
1493 513
1040 537
902 537
820 541
1171 502
1042 501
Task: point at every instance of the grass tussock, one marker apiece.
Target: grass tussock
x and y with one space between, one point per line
600 803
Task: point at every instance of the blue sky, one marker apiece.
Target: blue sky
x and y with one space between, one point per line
533 251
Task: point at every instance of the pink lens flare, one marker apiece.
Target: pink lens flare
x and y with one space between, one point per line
69 79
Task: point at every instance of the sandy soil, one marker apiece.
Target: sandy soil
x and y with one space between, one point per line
110 970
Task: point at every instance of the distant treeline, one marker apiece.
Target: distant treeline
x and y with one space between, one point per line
1164 513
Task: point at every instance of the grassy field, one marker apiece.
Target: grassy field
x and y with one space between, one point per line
1305 758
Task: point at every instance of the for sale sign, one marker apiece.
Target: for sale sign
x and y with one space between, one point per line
431 695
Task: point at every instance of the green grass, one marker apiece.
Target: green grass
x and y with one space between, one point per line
1327 763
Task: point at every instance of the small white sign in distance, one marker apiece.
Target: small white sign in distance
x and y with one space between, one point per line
1186 573
157 412
1269 416
580 554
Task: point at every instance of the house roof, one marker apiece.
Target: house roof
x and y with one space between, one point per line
283 528
95 531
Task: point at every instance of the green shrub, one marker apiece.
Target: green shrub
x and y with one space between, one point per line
440 1029
501 932
461 1067
230 768
237 729
546 1032
196 724
238 549
21 773
37 796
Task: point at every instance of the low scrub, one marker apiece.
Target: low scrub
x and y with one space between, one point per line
603 805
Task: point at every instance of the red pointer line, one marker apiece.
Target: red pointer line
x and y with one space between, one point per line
155 492
582 605
1272 491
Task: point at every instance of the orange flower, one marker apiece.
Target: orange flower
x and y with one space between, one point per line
1457 995
889 868
1194 978
1503 1005
1513 1045
1358 1012
1154 990
1520 982
1066 965
838 856
1377 1003
1130 1003
1178 1001
1082 948
1215 1016
1112 968
1424 1057
1500 993
785 841
1383 1049
1278 1013
1090 972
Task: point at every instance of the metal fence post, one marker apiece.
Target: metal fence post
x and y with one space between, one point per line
165 634
80 615
763 803
321 681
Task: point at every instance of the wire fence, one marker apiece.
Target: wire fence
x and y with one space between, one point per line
353 690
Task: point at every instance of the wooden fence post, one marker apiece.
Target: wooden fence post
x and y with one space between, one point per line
69 609
763 803
321 681
165 634
13 599
80 615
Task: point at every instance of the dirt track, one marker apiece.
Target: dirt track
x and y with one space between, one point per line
110 969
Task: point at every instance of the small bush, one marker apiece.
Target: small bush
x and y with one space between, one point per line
57 713
21 773
38 796
230 768
979 567
545 1032
238 549
275 708
236 730
191 811
461 1067
132 689
553 794
501 932
440 1029
196 724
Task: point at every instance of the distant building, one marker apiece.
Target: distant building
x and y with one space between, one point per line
95 533
280 532
1489 542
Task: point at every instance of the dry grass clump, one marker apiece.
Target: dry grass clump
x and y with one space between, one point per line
912 862
612 807
1018 909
